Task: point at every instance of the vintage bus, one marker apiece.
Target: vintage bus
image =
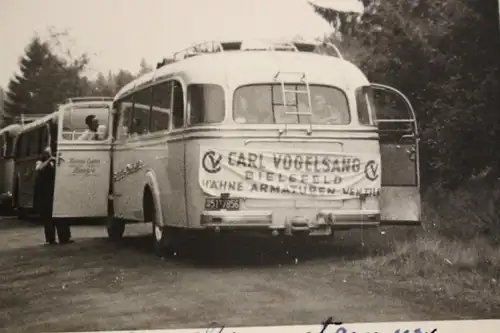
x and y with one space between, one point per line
261 136
82 163
7 138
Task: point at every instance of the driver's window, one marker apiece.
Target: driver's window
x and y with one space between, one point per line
86 122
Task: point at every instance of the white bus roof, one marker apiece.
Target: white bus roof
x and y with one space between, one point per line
88 99
25 119
40 121
11 129
240 65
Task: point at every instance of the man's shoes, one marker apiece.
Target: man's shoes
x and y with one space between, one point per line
52 242
67 241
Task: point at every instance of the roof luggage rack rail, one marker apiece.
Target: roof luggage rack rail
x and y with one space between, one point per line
88 99
260 44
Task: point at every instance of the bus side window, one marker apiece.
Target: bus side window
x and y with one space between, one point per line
9 145
3 145
53 130
140 115
22 145
35 147
116 119
44 138
206 103
178 106
27 146
365 105
161 107
126 116
18 146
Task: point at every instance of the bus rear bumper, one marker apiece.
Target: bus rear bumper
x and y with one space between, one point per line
323 223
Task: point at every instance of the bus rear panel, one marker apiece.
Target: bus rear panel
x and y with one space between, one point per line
288 157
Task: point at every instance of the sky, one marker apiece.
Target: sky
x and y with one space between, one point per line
119 33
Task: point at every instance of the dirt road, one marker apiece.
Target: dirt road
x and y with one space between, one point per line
97 285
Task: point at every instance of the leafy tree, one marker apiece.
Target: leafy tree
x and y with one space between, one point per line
44 81
444 56
122 78
104 86
109 85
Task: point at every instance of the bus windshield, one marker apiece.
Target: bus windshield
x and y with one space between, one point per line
263 104
74 123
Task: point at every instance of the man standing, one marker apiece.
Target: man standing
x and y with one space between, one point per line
44 199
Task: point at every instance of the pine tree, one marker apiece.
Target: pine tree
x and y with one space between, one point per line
144 68
44 81
2 112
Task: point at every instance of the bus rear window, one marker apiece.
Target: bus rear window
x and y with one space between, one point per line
263 104
206 103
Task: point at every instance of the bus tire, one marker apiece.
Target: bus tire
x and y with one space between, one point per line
162 236
115 228
7 206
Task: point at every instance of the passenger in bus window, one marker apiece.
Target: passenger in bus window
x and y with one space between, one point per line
248 112
93 125
102 131
44 198
136 125
325 113
123 132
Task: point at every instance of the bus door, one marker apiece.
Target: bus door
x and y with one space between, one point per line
83 166
400 202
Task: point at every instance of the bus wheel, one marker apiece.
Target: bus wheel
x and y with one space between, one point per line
7 207
22 214
162 237
115 228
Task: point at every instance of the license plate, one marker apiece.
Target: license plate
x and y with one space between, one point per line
219 204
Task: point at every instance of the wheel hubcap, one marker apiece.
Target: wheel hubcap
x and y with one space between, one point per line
158 232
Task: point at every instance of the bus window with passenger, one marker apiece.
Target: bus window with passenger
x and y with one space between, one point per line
263 104
83 121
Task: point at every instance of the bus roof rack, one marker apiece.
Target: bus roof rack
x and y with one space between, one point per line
25 119
252 45
88 99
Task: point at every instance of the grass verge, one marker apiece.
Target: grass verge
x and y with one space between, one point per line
455 255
